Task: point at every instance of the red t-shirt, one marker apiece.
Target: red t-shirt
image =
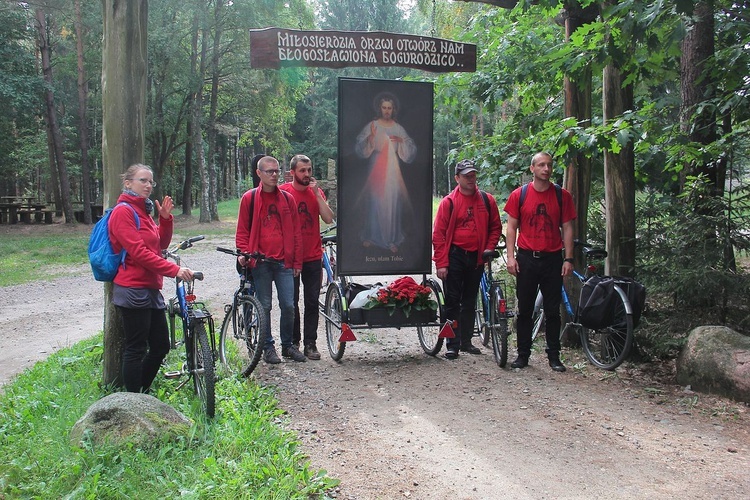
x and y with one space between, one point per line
465 233
272 243
539 221
308 214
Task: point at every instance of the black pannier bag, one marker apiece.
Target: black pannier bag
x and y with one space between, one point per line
636 293
597 304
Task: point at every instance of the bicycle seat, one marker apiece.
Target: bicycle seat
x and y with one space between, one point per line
490 254
595 253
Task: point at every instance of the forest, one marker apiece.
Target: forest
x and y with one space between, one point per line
645 106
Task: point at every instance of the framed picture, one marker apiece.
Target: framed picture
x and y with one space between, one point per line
384 177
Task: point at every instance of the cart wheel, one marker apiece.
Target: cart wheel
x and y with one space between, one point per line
334 311
429 332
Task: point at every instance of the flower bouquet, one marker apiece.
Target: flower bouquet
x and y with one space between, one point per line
404 295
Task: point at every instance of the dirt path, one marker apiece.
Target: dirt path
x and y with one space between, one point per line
391 422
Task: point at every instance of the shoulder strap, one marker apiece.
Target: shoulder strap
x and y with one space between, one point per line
252 210
486 200
123 253
135 214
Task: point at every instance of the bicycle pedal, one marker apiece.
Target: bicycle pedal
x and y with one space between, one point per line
174 374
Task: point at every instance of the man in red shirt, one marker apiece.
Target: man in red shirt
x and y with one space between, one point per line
465 226
538 262
311 207
267 223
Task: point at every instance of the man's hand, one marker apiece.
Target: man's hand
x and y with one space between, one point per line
567 269
513 265
442 273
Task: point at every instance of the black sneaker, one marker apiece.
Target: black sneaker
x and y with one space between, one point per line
293 353
520 362
271 357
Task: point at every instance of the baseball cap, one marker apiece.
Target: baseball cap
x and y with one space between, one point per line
466 166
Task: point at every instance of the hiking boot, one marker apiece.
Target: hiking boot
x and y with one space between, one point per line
556 364
470 348
520 362
293 353
271 357
311 352
451 352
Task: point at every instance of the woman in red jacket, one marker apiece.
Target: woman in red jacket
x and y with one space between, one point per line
137 286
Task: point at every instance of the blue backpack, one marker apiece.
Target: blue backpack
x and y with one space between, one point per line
104 261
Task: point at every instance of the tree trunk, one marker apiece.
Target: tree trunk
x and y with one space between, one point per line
577 177
83 131
199 72
698 85
619 180
51 118
211 125
124 69
578 105
187 183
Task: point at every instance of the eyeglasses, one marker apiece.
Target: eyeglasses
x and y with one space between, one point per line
143 180
271 172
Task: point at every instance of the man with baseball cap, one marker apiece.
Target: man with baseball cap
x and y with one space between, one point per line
467 224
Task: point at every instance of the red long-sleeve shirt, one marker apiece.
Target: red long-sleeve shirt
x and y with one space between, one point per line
144 265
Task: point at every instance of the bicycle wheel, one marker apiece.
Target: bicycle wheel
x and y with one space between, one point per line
429 334
201 366
334 312
481 324
608 347
499 326
538 322
243 326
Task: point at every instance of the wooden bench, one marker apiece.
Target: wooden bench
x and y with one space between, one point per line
8 213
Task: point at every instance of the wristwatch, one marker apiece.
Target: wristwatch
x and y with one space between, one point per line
571 260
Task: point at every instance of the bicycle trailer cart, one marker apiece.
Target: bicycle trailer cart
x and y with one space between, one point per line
341 320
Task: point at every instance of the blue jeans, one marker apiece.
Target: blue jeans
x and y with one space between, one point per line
265 274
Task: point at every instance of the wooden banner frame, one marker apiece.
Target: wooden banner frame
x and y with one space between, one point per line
277 47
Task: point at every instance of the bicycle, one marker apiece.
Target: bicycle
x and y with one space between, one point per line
606 347
198 334
244 321
493 314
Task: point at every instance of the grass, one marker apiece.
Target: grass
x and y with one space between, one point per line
28 257
242 453
40 254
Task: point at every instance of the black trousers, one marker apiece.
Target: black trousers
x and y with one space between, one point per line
310 277
146 346
461 286
543 273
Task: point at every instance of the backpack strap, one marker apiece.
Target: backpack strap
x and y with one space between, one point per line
137 226
524 192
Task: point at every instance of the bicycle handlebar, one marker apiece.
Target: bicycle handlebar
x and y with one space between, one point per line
329 228
237 253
